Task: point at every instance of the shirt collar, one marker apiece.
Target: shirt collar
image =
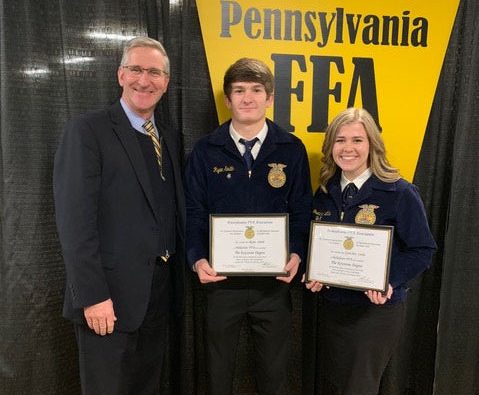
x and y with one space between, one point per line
358 181
135 120
261 136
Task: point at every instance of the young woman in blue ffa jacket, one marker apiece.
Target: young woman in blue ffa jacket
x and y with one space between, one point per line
359 330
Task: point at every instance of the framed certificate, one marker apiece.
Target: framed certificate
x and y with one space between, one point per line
350 255
249 245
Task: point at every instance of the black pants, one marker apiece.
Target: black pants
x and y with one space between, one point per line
266 305
357 343
128 362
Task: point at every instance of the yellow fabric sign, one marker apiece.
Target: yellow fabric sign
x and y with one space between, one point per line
330 55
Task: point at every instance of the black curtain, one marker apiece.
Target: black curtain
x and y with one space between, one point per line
59 59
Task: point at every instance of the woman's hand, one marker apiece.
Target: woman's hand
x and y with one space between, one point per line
313 286
377 297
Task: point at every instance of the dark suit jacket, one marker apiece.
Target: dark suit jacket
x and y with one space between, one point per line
107 224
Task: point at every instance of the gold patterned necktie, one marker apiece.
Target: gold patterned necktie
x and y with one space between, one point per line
150 129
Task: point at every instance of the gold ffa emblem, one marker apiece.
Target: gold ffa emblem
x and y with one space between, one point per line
348 244
276 176
366 215
249 232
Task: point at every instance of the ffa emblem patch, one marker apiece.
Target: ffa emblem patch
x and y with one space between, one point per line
276 176
366 215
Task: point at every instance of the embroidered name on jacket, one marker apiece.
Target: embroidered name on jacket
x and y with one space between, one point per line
224 169
318 215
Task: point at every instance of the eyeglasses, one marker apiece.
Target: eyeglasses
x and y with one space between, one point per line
153 72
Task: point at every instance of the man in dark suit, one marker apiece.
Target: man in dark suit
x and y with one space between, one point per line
120 217
248 165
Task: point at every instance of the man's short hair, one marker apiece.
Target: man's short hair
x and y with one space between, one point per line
144 42
248 70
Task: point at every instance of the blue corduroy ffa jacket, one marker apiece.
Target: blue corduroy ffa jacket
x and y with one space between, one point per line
398 204
217 182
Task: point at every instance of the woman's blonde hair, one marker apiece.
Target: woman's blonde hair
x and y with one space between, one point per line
377 160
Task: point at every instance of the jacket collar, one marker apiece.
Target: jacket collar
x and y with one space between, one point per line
371 184
221 137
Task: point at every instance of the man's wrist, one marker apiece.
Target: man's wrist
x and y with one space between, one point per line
295 255
195 265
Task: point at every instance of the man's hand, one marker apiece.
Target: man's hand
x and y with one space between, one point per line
291 267
379 297
205 273
313 286
101 317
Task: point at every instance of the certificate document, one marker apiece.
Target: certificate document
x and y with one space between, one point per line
249 245
350 255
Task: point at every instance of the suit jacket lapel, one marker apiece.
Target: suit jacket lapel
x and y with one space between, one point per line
170 141
126 134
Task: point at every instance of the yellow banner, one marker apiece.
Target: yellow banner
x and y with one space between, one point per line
330 55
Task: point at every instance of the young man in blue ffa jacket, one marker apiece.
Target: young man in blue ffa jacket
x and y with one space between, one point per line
264 170
120 216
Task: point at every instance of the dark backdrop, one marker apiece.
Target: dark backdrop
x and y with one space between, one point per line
52 67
